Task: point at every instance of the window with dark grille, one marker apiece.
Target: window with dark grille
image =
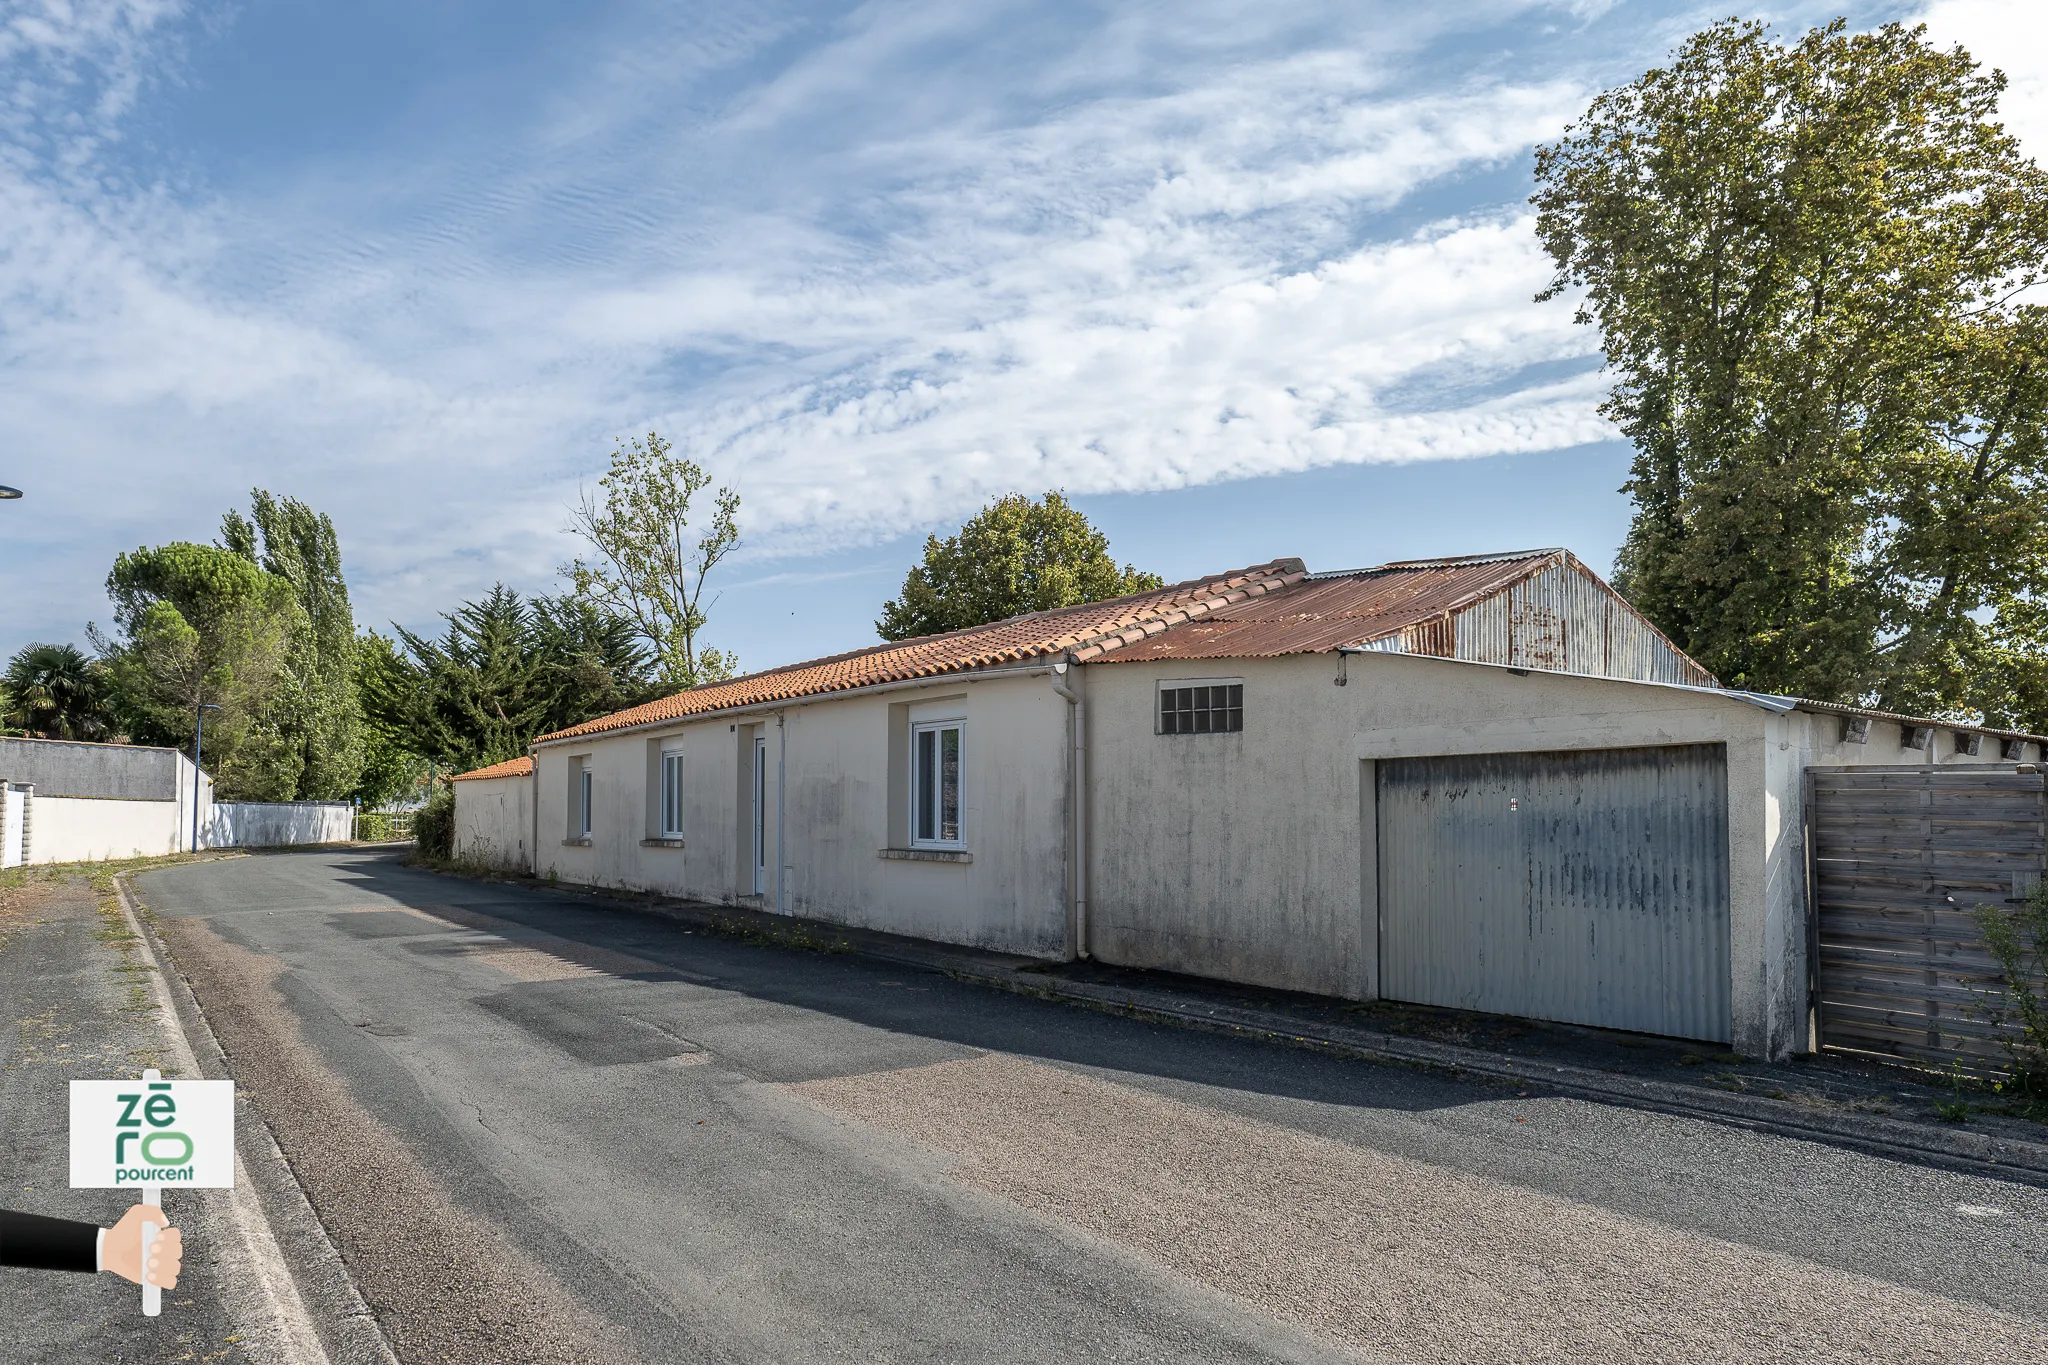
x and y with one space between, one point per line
1203 709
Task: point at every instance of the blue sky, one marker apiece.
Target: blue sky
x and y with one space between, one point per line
1247 279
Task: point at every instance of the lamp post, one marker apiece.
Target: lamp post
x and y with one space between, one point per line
7 493
199 774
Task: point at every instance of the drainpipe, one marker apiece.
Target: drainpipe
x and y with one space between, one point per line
1077 778
781 858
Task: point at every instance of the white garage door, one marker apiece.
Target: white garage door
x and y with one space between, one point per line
1588 887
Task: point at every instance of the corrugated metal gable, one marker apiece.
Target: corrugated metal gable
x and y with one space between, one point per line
1538 609
1563 619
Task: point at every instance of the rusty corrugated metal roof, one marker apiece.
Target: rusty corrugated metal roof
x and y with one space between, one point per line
1326 613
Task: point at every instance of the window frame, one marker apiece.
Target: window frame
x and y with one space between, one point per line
937 728
1232 708
585 799
671 805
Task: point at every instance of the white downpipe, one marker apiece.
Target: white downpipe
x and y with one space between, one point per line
781 858
1077 721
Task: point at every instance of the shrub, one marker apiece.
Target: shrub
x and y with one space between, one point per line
433 825
2018 937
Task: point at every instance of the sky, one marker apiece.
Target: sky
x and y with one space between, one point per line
1247 280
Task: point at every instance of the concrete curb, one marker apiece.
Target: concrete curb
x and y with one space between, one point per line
320 1317
1949 1149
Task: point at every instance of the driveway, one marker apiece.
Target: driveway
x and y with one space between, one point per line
544 1130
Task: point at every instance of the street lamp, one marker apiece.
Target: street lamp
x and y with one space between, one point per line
6 492
198 774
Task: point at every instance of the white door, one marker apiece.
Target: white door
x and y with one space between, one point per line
760 815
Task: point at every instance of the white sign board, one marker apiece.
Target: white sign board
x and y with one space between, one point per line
131 1134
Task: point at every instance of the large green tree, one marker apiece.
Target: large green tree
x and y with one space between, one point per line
1803 259
502 671
1015 555
198 624
55 692
315 709
646 566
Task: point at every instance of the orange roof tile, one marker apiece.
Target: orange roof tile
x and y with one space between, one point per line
1088 631
511 767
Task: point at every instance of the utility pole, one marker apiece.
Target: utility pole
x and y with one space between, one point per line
199 774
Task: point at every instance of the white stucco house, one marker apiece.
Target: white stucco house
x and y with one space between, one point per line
1483 782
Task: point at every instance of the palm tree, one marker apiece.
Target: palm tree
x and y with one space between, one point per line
55 692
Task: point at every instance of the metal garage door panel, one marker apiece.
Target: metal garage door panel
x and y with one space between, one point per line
1586 887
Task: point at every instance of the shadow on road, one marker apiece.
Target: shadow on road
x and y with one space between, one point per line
621 942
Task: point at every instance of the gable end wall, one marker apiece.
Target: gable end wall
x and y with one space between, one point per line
1564 620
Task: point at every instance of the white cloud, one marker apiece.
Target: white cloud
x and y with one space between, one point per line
2012 36
1212 273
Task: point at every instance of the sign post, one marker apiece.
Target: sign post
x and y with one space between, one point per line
146 1134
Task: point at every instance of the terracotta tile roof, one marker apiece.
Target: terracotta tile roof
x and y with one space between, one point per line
1352 607
511 767
1089 631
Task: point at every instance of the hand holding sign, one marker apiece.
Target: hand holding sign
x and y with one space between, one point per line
122 1253
140 1135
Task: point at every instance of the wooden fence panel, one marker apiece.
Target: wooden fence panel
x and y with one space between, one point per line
1899 858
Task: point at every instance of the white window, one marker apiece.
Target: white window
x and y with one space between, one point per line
671 795
583 805
935 773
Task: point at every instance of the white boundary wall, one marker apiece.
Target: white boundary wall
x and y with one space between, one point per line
277 824
80 813
82 829
40 828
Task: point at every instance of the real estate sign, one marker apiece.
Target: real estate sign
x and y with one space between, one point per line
150 1132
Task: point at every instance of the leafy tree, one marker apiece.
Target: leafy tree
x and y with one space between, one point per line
1014 556
503 671
471 698
646 568
393 771
1802 258
316 710
1962 533
55 692
591 662
200 624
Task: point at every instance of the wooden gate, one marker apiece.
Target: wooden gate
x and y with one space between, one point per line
1898 860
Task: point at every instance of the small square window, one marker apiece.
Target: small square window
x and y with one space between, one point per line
1201 709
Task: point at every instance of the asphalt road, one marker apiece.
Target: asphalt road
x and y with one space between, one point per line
543 1130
